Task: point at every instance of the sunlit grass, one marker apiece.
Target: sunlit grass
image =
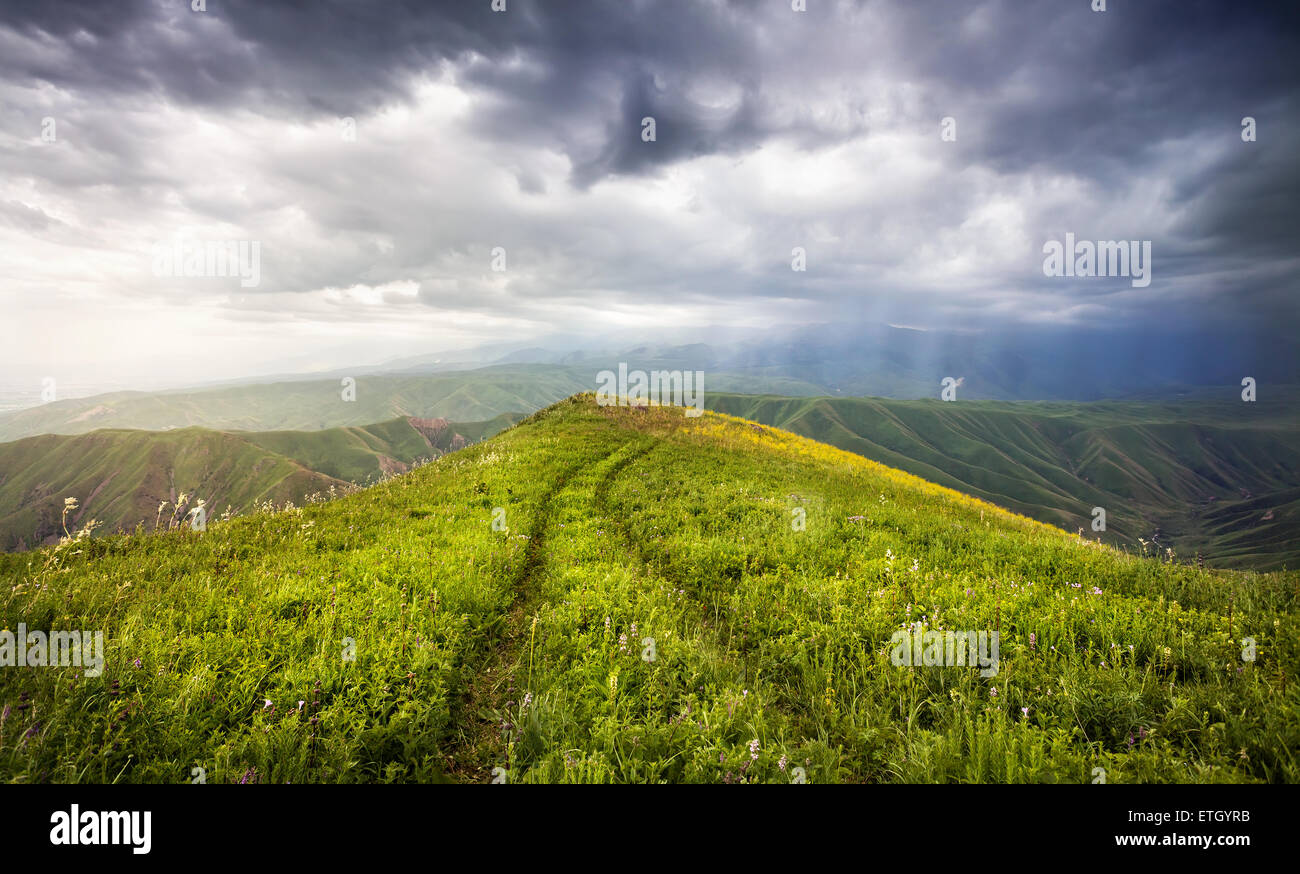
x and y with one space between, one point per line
525 649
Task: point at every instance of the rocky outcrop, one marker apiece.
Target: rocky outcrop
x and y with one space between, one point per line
431 430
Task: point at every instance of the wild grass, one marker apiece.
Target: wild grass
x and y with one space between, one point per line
646 613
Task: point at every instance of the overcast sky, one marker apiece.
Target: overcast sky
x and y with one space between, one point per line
523 130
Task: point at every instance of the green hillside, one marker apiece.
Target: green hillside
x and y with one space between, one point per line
120 478
1218 479
355 454
660 599
1214 479
311 405
308 405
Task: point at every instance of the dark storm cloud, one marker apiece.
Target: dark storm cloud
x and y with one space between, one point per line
1111 89
1052 84
1135 113
1104 87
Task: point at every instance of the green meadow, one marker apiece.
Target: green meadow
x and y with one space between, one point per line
631 595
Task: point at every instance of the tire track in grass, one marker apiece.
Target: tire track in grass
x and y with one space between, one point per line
717 629
714 625
647 557
482 745
479 747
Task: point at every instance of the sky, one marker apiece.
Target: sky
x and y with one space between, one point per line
427 176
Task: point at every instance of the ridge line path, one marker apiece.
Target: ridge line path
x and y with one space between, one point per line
480 744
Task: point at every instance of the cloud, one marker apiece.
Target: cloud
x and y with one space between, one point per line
522 130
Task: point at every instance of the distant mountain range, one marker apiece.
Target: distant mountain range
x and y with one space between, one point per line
1190 467
832 360
485 392
306 405
1218 479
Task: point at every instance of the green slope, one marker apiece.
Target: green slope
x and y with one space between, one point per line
1219 479
355 454
310 405
647 609
120 477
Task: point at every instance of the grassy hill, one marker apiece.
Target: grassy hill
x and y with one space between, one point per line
1215 479
660 599
121 477
1219 479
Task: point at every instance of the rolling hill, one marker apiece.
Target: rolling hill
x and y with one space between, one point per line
311 405
632 595
304 405
120 477
1214 479
1218 479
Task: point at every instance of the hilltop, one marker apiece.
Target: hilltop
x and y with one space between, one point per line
613 594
